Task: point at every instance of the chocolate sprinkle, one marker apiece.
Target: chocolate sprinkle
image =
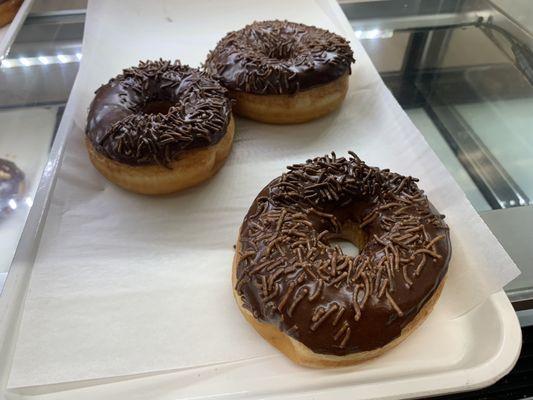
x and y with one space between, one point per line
341 304
152 113
279 57
11 181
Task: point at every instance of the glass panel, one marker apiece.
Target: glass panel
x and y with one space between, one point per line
505 126
35 80
446 155
25 140
463 72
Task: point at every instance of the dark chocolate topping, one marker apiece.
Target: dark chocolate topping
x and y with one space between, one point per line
290 275
11 179
152 113
279 57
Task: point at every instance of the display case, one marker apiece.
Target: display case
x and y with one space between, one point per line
461 69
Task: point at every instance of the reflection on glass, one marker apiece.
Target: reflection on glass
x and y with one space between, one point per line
466 83
36 77
26 138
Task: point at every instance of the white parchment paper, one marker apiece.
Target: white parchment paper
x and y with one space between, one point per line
126 284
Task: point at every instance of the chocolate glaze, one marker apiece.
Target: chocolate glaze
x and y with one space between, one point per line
289 275
279 57
11 180
152 113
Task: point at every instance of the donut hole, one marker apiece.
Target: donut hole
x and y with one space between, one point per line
156 107
351 239
347 247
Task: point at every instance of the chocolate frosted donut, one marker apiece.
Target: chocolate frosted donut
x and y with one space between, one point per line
322 307
151 113
282 58
156 115
11 184
8 10
279 57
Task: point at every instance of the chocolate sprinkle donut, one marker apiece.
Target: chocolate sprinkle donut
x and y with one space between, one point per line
279 57
290 275
11 181
152 113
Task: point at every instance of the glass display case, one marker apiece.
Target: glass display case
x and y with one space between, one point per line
461 69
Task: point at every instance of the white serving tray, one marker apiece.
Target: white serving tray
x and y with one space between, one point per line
469 352
9 32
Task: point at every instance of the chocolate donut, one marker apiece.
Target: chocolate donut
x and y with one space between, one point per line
8 10
11 185
156 115
331 308
280 58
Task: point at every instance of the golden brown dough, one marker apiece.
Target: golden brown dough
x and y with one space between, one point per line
194 167
292 108
8 10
